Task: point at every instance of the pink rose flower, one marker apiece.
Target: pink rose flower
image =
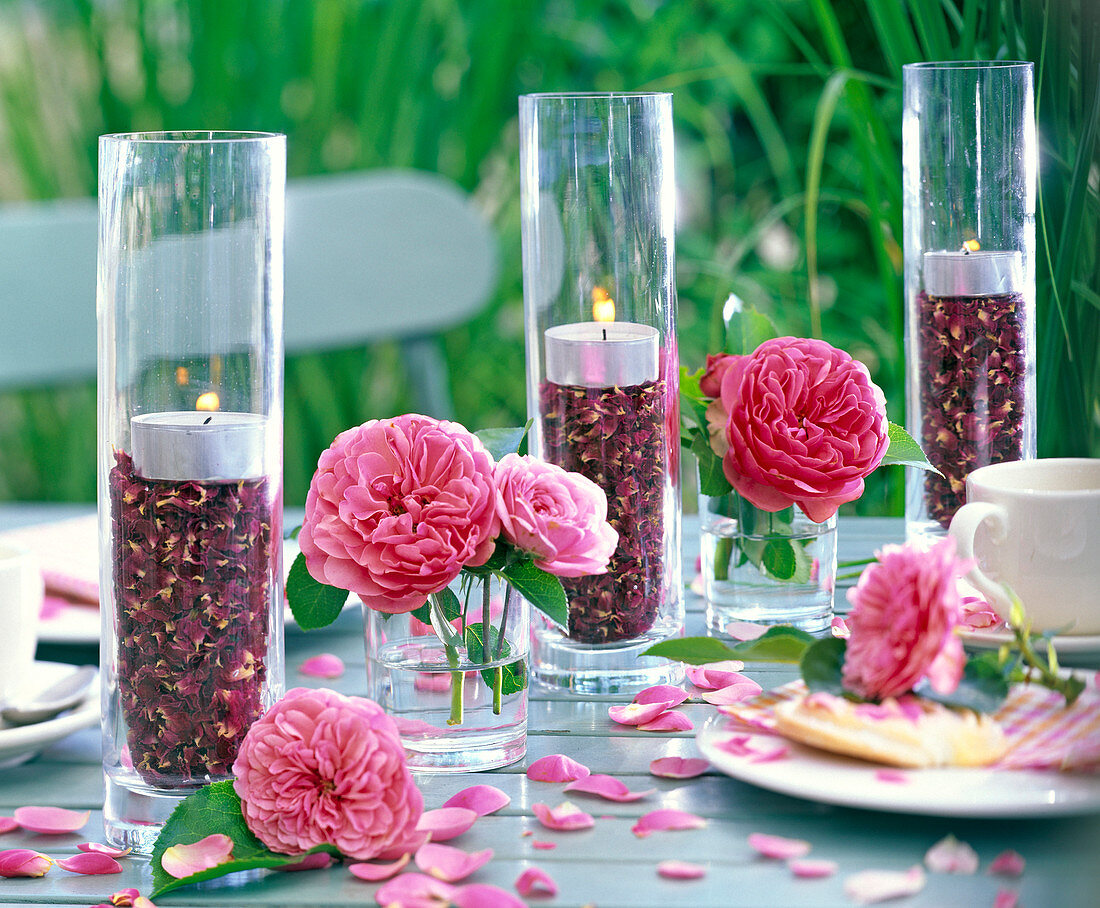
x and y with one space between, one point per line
717 366
711 386
806 425
904 611
319 767
397 507
558 516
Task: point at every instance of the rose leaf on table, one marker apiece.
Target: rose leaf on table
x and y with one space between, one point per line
212 810
780 643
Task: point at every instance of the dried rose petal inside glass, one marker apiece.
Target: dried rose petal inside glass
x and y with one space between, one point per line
194 567
615 437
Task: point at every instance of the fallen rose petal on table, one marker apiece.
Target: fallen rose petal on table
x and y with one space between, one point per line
534 882
324 665
778 847
22 862
446 823
142 902
736 692
681 870
669 721
482 895
406 846
543 846
414 889
51 820
662 693
109 850
1008 863
608 787
481 799
8 824
637 713
666 819
124 898
714 674
376 873
1006 898
450 864
678 767
811 868
182 860
316 861
90 862
949 855
556 768
872 886
746 630
565 817
839 628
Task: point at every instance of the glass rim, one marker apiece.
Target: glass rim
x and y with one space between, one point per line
196 136
594 95
969 64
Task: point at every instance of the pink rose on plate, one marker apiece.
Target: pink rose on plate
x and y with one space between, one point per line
902 623
558 516
397 507
321 768
806 424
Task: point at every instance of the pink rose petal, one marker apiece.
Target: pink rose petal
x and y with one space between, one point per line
124 898
873 886
412 890
670 721
662 693
556 768
181 861
431 681
770 754
51 820
607 787
316 861
636 713
8 824
949 855
1006 898
90 862
481 799
714 674
543 846
376 873
811 868
450 864
746 630
325 665
892 776
774 846
1008 863
565 817
666 819
534 882
482 895
22 862
681 870
733 693
678 767
406 846
839 627
142 902
108 850
445 823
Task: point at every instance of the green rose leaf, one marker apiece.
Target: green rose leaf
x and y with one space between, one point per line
982 688
786 559
214 809
781 643
544 591
313 604
692 650
513 675
748 329
712 479
904 450
821 665
448 602
507 440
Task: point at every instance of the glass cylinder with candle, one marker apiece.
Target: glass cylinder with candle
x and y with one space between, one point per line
190 461
598 201
969 155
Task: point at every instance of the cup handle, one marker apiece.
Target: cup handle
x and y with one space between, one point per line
964 527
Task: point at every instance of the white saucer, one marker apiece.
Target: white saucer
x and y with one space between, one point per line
21 743
1066 644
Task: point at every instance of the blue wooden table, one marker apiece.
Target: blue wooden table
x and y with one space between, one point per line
606 866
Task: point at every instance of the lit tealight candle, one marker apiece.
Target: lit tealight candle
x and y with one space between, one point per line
973 272
196 446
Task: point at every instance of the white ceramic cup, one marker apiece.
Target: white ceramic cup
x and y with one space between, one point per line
20 604
1035 526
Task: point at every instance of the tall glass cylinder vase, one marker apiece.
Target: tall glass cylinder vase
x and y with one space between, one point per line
190 460
969 154
598 201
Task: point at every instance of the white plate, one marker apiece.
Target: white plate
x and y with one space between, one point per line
951 792
1067 644
21 743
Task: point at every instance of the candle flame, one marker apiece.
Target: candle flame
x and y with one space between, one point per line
971 246
603 306
182 376
208 400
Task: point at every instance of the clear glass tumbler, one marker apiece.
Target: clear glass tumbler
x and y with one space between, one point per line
598 205
969 155
190 302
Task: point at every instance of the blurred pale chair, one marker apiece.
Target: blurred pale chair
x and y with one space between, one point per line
374 255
